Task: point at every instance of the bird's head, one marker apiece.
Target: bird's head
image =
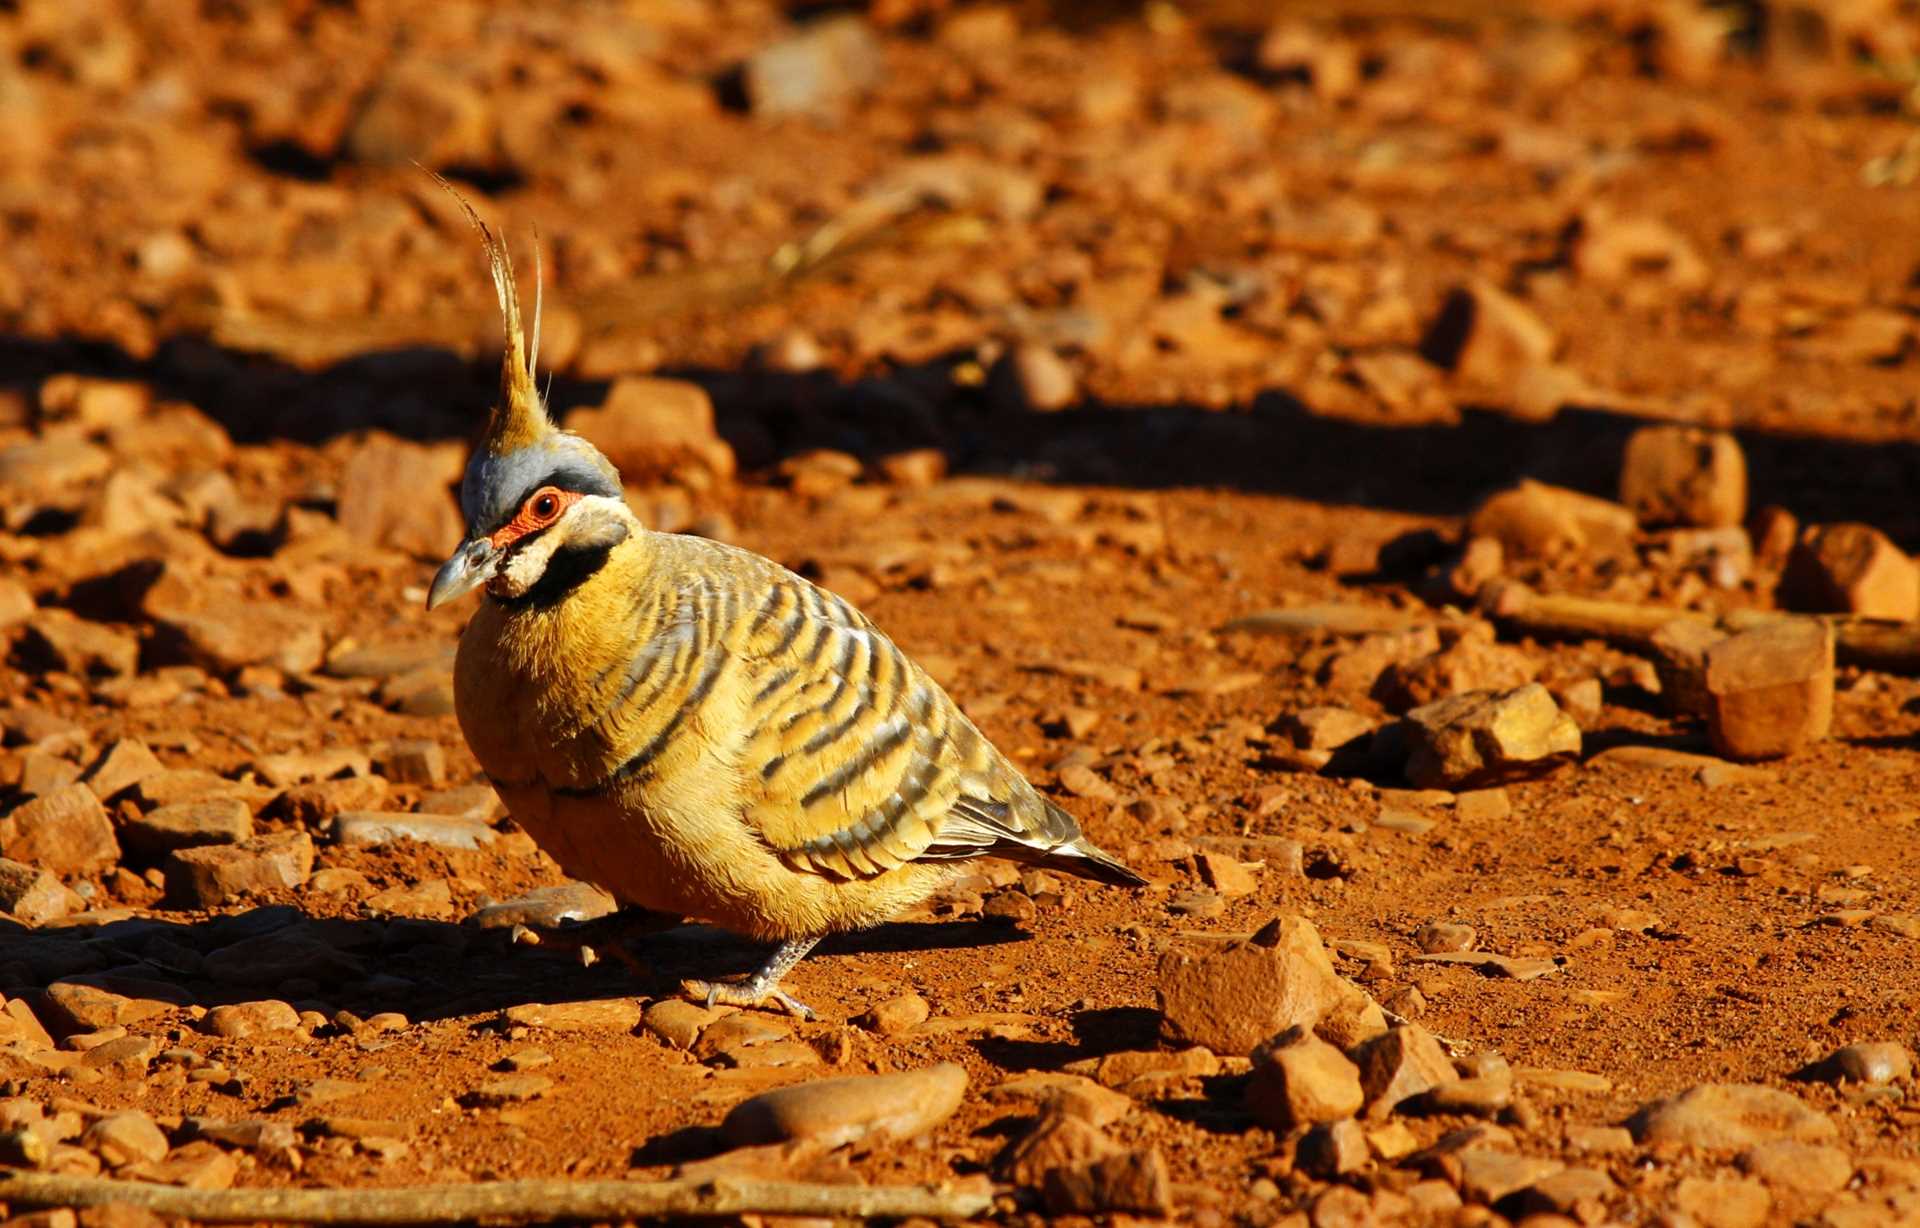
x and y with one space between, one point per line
540 503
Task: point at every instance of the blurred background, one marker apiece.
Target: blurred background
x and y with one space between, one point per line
1320 242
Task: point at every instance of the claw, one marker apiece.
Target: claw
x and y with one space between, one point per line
747 994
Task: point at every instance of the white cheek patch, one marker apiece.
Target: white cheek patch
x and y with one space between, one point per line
524 566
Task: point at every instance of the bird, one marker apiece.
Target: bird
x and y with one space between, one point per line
696 729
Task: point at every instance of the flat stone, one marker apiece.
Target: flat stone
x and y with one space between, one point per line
613 1014
1730 1117
212 875
1806 1168
834 1112
64 832
509 1089
1723 1202
418 761
1133 1182
57 639
547 906
294 768
215 820
251 1018
1514 967
123 764
126 1137
443 831
1486 1176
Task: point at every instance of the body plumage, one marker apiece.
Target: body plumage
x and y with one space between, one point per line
699 730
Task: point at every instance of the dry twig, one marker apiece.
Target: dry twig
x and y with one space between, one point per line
543 1200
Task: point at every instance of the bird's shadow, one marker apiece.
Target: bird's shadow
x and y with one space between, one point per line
423 969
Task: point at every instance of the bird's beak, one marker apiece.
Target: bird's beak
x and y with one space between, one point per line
470 567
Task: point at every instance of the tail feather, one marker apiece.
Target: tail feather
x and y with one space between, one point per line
1086 860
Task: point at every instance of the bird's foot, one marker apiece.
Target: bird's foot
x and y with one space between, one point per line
760 988
745 993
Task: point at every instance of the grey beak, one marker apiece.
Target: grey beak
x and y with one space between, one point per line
470 567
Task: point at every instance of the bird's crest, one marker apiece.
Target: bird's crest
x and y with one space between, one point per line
519 419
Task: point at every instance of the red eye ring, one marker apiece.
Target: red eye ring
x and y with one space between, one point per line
542 508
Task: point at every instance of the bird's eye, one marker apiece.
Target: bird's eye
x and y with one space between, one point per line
545 506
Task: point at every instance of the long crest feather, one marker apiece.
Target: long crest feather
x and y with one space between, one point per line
520 418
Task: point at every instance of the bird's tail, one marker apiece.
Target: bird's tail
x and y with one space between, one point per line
1082 858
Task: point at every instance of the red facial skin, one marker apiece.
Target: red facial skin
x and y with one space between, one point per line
542 508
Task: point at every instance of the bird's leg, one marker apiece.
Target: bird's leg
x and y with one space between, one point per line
763 985
589 938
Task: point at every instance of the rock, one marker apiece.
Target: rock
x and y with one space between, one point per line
1484 735
30 894
1613 248
199 1165
1133 1182
1226 875
833 1112
211 875
1333 1149
1681 475
125 763
413 761
1486 337
616 1014
1679 651
1301 1080
424 112
1467 664
1769 690
1444 936
1032 378
1073 1095
1401 1062
649 428
1232 999
508 1089
223 630
547 906
1481 1096
1486 1176
1057 1140
218 820
896 1015
1537 520
1808 1168
282 771
251 1018
320 802
306 949
65 831
126 1137
75 1006
1728 1117
397 494
1327 728
45 467
443 831
816 71
94 404
1580 1193
1723 1202
1870 1062
1851 569
16 603
678 1022
55 639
